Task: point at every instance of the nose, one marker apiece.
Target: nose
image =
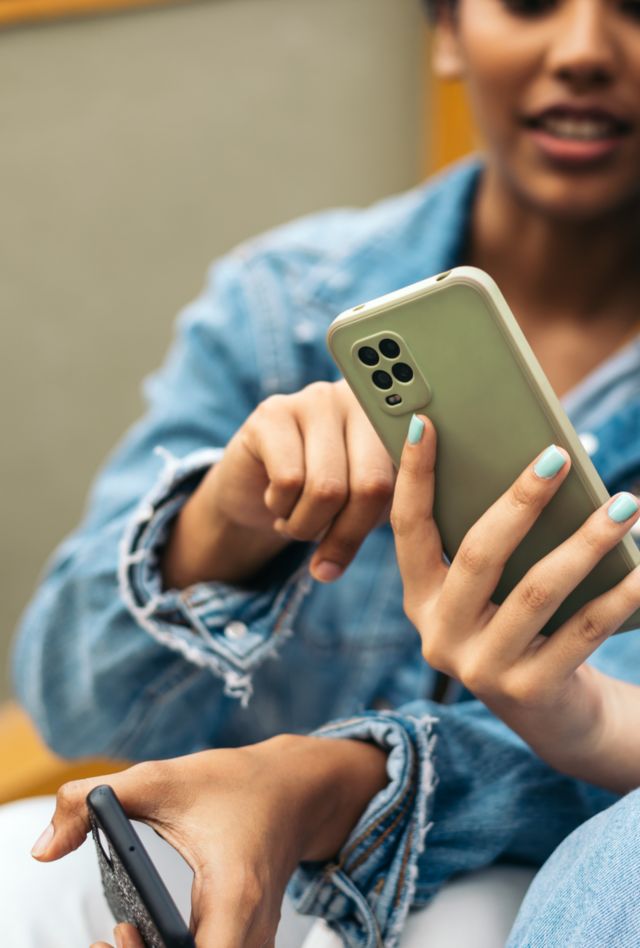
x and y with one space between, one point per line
584 50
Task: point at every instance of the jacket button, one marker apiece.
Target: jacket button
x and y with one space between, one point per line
235 630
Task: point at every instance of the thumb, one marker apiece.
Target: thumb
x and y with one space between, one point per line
136 788
417 539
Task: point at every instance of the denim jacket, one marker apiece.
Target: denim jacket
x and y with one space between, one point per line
109 661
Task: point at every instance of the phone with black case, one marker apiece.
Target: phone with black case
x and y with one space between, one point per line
133 888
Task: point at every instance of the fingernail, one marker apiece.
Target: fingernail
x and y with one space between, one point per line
550 463
623 507
327 571
42 843
416 428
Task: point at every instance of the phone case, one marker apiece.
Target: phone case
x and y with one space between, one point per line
476 377
132 886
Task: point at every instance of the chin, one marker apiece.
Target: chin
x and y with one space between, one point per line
567 195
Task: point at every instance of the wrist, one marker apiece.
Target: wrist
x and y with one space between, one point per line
332 781
205 545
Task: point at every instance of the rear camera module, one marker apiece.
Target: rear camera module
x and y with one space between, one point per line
402 371
382 379
389 348
368 355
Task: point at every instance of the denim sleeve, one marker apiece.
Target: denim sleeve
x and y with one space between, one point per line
464 792
106 660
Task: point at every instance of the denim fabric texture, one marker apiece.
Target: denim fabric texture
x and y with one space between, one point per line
108 661
586 895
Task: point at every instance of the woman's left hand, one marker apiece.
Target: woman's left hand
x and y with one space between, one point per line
541 687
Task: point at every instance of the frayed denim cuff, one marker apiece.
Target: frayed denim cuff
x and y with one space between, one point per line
222 627
365 895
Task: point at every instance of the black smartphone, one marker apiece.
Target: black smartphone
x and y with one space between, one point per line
132 886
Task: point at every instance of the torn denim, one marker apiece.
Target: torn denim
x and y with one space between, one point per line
464 792
224 628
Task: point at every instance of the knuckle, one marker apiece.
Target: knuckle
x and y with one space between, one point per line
535 595
288 480
375 486
594 540
70 794
319 389
272 405
522 495
329 490
472 556
402 523
591 627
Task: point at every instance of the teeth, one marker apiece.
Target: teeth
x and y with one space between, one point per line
582 129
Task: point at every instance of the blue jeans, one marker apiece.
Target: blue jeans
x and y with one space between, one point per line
587 894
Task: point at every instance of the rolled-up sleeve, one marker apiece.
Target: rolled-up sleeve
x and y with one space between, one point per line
224 628
464 791
366 893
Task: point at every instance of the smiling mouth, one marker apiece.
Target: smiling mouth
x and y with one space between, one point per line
578 128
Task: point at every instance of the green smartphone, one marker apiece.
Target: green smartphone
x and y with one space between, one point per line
450 347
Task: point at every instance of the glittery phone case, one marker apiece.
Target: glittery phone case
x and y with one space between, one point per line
133 889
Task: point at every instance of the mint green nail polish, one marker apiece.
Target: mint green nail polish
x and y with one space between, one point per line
415 429
623 507
550 462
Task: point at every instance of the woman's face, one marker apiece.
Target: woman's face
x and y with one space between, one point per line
554 86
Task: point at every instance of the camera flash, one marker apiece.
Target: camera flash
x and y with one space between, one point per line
393 399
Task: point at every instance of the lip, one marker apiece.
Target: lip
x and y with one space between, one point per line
584 109
573 152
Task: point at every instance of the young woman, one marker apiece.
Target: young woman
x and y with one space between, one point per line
379 809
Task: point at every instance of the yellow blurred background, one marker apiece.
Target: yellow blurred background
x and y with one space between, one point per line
136 147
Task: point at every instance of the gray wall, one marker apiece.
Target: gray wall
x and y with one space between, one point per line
134 149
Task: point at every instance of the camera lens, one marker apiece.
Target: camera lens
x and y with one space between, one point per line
368 355
389 348
382 379
402 371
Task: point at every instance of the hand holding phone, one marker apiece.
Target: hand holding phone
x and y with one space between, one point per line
132 886
242 818
451 347
570 713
